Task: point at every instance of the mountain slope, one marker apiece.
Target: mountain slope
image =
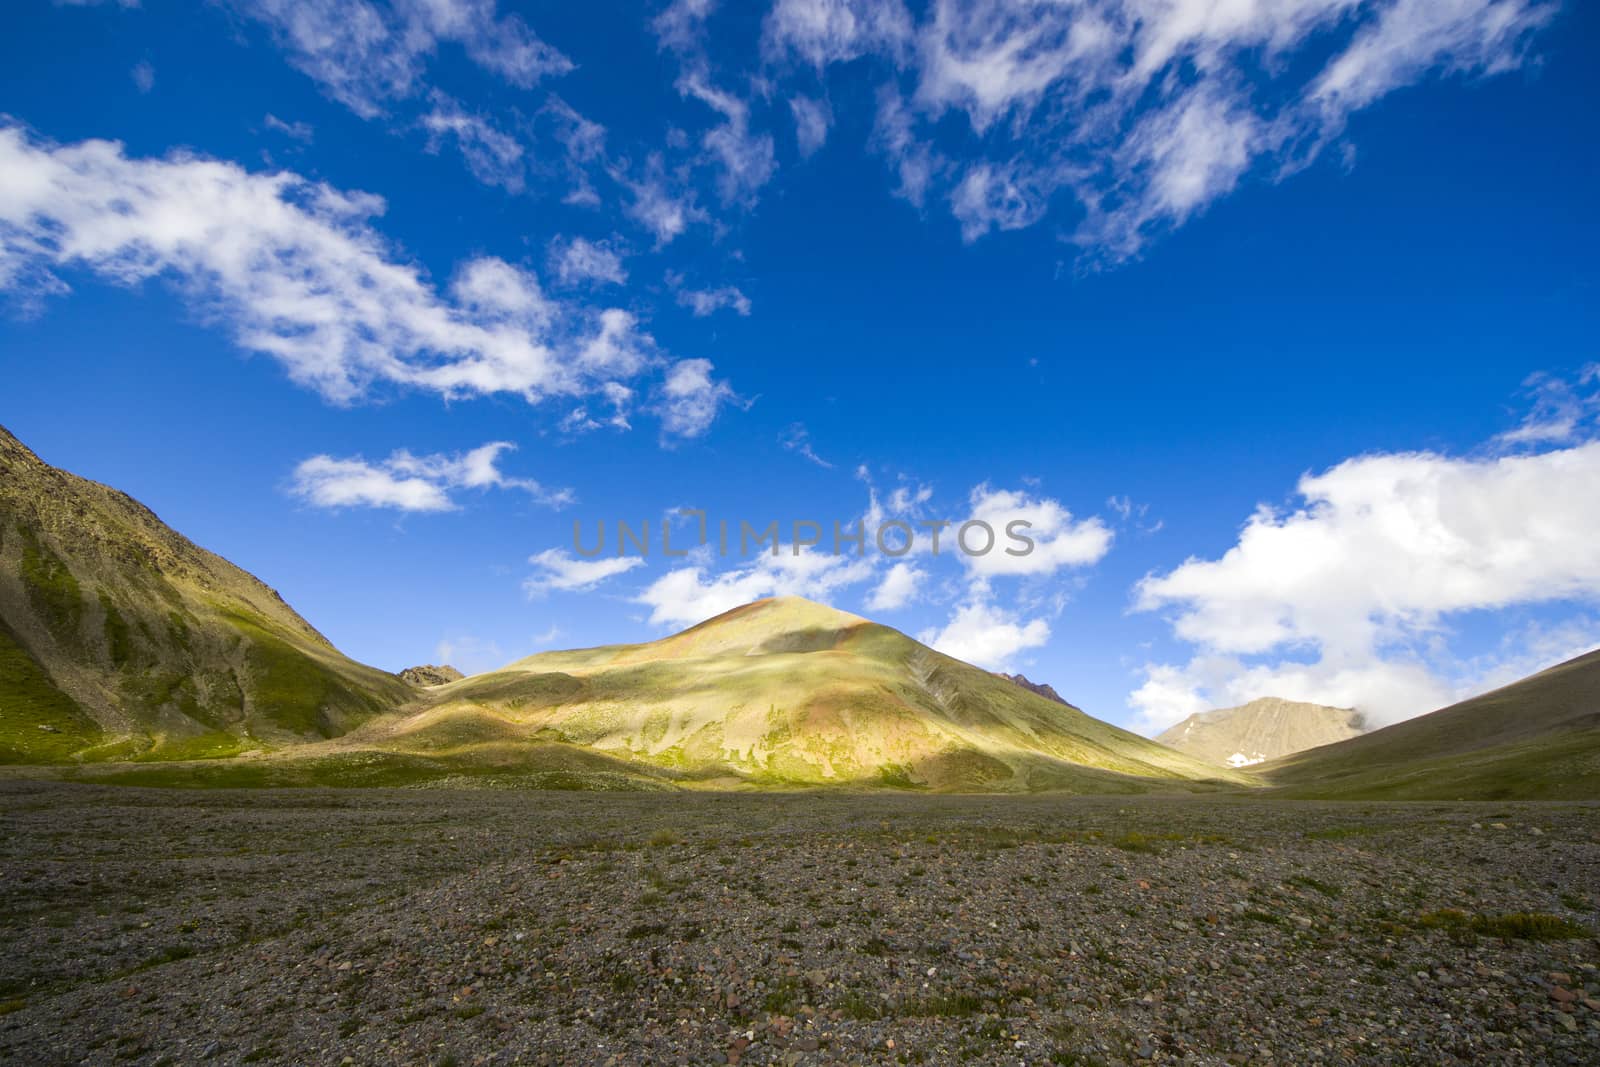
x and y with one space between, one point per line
787 692
1535 739
1264 729
121 638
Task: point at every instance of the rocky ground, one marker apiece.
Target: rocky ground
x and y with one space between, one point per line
446 927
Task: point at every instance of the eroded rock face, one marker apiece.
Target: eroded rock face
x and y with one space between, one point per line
1037 688
428 674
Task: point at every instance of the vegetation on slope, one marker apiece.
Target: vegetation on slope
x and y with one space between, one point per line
1535 739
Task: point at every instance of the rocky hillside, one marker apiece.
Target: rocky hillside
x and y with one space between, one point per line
120 638
431 675
786 692
1036 688
1261 730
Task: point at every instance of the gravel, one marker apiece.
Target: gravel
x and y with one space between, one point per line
498 927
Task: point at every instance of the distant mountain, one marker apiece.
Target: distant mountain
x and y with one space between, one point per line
1261 730
431 675
1535 739
120 638
1037 688
785 692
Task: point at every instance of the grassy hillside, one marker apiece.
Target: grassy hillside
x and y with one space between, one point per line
789 693
121 639
1536 739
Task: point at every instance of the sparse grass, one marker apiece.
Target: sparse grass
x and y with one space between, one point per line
666 839
1519 926
1315 885
940 1005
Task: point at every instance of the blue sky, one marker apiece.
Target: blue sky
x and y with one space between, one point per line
1278 324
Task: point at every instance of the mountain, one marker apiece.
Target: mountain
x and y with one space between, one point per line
784 692
1535 739
1261 730
1037 688
120 638
431 675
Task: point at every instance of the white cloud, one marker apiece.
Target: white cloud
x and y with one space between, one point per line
691 594
579 260
820 32
1558 412
811 121
1346 598
746 159
1147 111
1059 540
410 482
988 636
492 156
898 588
691 398
366 55
659 204
705 302
294 270
797 439
1408 38
299 131
143 75
560 571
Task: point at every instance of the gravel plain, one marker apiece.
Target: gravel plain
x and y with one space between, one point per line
437 926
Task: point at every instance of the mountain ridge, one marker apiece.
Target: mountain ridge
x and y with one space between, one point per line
1536 738
136 642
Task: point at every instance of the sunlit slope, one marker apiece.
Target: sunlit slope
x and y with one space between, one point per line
788 691
1264 729
120 638
1536 739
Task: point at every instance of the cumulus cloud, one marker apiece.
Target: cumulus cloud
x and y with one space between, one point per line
366 55
986 635
694 593
295 270
690 398
1347 598
1059 540
899 587
560 571
409 482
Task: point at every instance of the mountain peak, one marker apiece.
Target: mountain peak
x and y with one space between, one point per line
1264 729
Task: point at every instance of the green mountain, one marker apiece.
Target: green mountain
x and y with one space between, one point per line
785 692
1535 739
119 638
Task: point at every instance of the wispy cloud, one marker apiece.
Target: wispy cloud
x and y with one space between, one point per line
409 482
367 55
560 571
294 270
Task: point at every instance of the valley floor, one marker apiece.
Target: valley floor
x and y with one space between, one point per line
432 927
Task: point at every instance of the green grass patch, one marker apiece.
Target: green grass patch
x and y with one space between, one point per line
1515 926
38 722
